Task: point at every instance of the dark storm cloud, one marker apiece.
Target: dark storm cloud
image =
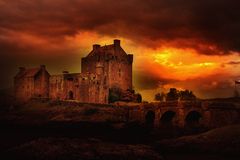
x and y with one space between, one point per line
230 63
210 27
212 86
233 63
185 23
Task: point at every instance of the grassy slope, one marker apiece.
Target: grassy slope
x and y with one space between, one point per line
220 140
40 113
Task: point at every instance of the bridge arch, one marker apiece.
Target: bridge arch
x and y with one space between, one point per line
167 118
192 119
150 118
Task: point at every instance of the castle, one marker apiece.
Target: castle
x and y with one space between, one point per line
104 68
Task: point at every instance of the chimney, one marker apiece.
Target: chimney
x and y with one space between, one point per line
96 46
116 42
42 66
22 69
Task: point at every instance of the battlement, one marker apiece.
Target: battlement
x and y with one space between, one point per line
103 68
116 43
96 46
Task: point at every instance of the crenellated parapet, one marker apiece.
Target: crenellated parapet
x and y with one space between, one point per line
103 68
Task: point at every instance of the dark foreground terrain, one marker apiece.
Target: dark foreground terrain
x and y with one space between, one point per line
39 131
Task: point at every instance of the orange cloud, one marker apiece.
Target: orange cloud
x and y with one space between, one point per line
186 69
197 50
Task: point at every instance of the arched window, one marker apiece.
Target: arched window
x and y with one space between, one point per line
70 95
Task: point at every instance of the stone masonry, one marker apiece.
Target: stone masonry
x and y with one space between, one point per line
103 68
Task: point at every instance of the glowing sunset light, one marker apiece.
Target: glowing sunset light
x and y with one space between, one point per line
186 69
184 50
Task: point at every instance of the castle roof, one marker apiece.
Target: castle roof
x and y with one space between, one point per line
28 73
112 49
31 72
103 50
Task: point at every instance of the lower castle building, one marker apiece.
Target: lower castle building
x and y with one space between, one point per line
104 68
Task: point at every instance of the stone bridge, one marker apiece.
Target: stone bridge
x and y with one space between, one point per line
185 114
207 114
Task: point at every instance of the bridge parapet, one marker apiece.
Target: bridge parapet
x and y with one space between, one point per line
190 104
169 104
212 105
177 104
221 105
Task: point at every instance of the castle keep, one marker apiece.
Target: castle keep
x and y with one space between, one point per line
104 68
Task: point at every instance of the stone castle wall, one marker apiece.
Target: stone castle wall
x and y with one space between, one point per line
103 68
31 83
112 62
24 88
41 84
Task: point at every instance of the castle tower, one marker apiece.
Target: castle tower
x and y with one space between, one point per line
104 68
110 61
31 83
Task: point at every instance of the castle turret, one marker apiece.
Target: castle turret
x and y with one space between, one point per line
96 46
111 62
116 43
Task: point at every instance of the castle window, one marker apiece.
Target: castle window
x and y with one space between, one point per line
70 79
105 80
70 95
119 72
98 58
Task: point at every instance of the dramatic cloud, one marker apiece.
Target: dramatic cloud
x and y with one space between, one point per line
172 40
210 26
233 63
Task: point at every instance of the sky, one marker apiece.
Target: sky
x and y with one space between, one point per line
184 44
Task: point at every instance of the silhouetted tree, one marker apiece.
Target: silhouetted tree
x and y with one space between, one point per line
175 94
160 96
131 91
172 95
139 98
187 95
114 95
